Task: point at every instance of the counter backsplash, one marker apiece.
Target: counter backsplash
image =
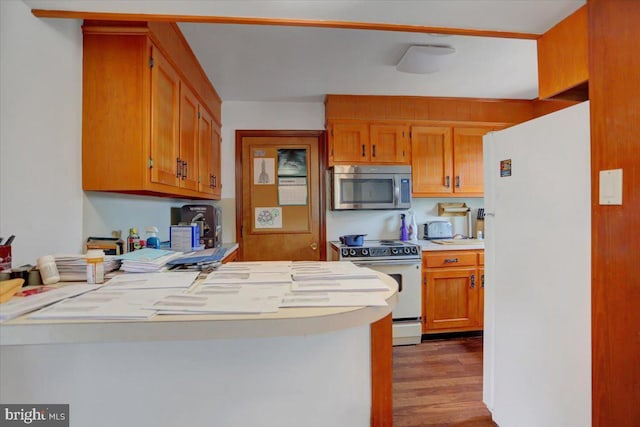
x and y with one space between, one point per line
386 224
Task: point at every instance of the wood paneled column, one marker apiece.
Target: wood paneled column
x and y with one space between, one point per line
614 91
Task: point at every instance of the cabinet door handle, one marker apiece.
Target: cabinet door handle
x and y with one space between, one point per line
363 152
374 150
473 281
482 280
178 167
215 181
185 169
450 260
457 181
447 182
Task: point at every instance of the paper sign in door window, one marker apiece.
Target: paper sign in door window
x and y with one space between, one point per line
268 217
292 191
264 171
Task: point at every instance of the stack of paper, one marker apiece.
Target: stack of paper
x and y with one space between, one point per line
146 260
339 270
221 299
73 268
152 280
127 304
19 306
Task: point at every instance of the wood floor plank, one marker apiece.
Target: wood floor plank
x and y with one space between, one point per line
439 383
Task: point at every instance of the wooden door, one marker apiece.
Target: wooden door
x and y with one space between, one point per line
205 152
278 195
431 160
467 161
189 110
388 143
349 143
452 298
165 121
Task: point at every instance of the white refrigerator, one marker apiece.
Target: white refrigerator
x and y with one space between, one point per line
537 339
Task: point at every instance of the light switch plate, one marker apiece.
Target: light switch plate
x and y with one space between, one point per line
611 187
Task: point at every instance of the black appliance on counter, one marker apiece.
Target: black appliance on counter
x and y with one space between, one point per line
209 220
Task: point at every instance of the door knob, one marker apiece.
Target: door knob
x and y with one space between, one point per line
314 246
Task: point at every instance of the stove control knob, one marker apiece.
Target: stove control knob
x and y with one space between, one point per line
394 251
345 252
352 252
414 250
407 250
365 252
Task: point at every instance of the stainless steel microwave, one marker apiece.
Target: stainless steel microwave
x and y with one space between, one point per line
370 187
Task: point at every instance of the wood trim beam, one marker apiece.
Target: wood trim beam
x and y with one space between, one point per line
382 373
286 22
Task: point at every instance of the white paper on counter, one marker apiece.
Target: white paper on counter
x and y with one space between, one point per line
106 304
257 267
350 285
225 299
152 280
19 306
334 299
246 277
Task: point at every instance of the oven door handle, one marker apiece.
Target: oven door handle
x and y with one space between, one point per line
388 262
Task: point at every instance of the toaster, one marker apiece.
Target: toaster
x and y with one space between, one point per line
438 230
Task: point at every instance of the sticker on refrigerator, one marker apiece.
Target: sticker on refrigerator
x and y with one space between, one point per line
268 217
505 167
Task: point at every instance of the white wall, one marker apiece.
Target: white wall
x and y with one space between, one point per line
40 133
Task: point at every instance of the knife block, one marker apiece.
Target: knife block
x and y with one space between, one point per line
480 227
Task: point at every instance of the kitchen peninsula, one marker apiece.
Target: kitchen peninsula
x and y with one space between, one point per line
299 366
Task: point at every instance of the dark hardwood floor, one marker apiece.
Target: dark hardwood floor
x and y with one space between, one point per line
439 383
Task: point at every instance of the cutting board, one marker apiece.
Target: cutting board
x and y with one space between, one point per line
458 241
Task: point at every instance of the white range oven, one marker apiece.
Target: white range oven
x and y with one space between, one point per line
403 262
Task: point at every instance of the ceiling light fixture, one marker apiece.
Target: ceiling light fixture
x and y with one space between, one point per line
423 59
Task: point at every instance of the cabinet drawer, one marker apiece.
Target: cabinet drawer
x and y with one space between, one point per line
481 258
450 259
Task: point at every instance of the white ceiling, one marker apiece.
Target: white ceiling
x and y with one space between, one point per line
257 63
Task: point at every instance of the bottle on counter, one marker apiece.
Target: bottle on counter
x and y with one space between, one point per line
95 266
404 231
152 237
133 241
48 270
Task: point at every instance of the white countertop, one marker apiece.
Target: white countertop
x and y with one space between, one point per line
286 322
428 245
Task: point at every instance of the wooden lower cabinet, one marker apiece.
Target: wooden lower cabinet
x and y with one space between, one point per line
453 292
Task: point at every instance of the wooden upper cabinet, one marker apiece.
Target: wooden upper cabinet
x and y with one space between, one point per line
431 163
563 63
389 143
358 142
143 94
348 143
189 113
216 168
467 161
165 120
209 155
447 162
